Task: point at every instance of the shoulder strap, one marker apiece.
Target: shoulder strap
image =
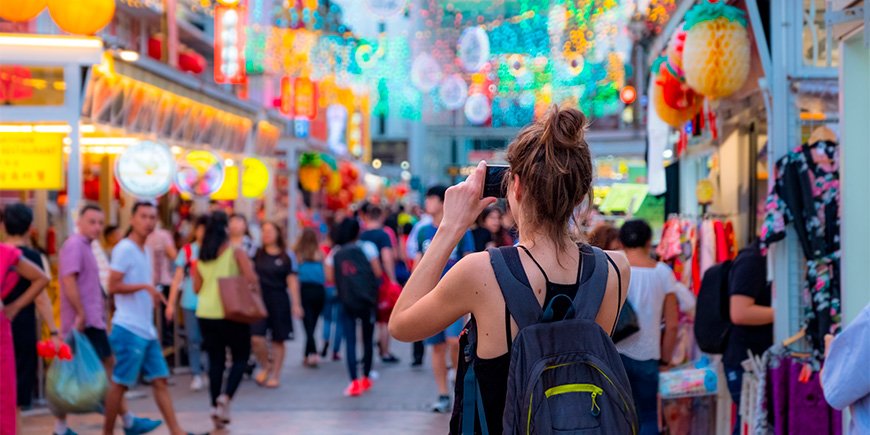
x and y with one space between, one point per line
188 253
619 294
519 299
591 293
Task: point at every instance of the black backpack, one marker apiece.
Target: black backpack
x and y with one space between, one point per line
565 374
713 312
355 280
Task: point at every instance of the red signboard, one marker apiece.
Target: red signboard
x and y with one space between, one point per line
286 99
229 44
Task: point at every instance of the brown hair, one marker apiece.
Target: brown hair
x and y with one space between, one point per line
553 162
603 236
307 248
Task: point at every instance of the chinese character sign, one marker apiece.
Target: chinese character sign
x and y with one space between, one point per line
31 161
229 44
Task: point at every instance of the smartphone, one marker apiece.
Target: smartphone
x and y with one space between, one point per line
493 184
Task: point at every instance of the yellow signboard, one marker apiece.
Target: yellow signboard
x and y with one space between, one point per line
31 161
230 189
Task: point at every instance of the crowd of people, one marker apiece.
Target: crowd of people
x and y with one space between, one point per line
479 281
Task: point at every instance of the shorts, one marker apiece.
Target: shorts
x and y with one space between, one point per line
99 341
279 320
135 355
452 331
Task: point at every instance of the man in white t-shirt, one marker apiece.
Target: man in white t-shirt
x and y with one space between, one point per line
134 337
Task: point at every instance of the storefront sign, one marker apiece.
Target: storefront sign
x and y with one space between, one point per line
255 178
624 197
286 99
200 173
145 170
229 44
31 161
305 98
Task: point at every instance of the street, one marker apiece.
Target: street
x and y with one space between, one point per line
309 401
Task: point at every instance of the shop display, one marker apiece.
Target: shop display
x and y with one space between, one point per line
716 57
200 173
806 193
146 169
81 17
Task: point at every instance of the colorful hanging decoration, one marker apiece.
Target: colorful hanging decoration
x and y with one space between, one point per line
310 172
425 72
716 57
200 173
473 48
386 8
255 178
81 17
478 109
674 101
19 11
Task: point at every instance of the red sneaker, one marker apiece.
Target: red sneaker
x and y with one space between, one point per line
354 389
366 384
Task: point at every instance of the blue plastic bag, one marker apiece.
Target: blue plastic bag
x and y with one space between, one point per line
78 385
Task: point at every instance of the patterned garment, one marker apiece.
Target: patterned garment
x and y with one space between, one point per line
807 194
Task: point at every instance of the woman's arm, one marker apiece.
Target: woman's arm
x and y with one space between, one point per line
246 269
745 312
426 305
38 280
672 322
196 277
173 292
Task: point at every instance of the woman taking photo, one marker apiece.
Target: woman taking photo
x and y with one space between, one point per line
312 290
550 176
277 275
652 294
218 259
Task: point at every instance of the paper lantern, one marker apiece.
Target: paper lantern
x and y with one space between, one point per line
453 91
309 178
425 72
675 49
716 56
674 101
81 17
473 48
478 109
21 10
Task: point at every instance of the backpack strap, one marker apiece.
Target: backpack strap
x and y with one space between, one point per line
519 300
591 293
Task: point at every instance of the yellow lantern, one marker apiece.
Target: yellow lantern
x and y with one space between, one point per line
81 17
20 10
716 56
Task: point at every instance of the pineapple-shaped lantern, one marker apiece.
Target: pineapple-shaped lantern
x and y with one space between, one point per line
716 55
674 101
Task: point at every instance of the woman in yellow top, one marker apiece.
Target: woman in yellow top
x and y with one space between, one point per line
217 259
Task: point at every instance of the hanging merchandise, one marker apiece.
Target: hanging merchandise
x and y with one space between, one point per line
478 109
81 17
425 72
145 169
309 172
473 48
24 10
674 101
807 193
200 173
716 58
453 92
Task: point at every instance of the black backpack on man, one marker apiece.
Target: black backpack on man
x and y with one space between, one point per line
355 280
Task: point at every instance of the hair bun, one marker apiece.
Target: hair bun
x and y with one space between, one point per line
564 128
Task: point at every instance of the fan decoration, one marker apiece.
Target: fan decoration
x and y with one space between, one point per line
200 173
717 52
674 101
425 72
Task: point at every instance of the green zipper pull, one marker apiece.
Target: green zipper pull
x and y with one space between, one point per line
595 409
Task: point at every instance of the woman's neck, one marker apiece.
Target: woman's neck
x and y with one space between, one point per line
237 239
17 241
272 249
639 257
534 241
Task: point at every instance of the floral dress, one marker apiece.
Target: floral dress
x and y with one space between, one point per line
8 259
807 194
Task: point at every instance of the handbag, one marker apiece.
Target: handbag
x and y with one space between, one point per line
241 300
627 323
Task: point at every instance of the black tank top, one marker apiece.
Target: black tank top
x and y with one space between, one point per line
492 373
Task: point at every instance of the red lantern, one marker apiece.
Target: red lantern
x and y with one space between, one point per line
628 95
191 61
155 47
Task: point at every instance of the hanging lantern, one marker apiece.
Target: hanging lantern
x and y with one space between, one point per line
81 17
716 56
21 11
674 101
675 49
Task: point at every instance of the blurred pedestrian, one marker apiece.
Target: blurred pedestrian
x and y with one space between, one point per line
312 290
652 294
605 236
332 328
375 232
16 268
17 221
240 234
276 272
161 243
219 259
134 338
354 267
82 306
184 262
845 379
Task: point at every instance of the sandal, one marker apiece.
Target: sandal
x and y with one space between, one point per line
272 383
261 377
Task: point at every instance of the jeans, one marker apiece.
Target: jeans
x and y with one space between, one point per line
218 335
734 378
313 297
332 328
349 321
195 354
644 379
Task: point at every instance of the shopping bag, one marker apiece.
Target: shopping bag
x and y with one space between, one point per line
78 385
388 295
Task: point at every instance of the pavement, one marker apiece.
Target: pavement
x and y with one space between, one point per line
309 401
